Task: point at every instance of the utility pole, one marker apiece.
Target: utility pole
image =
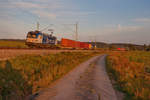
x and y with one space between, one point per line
76 32
38 25
95 42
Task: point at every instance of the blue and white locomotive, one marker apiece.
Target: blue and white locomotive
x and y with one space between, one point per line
40 40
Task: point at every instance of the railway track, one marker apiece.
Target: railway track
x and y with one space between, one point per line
24 48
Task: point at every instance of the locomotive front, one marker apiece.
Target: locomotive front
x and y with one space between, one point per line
39 39
34 37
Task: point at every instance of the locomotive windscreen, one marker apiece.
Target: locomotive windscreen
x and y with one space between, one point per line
32 34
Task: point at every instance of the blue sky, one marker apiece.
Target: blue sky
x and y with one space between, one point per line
104 20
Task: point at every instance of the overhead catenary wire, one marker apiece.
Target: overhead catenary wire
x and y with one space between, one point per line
75 31
66 27
72 30
47 27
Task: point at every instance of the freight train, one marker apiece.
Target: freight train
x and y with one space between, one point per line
37 39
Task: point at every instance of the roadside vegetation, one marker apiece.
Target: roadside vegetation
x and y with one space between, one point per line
131 72
12 44
28 74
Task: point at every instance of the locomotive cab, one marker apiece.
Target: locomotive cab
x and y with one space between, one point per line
34 37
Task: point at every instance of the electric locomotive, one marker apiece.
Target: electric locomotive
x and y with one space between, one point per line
41 40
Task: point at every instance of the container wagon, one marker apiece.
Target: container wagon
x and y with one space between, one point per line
67 43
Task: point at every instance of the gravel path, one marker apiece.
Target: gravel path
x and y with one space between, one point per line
102 82
88 81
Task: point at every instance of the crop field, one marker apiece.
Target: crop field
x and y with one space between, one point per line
12 44
131 72
27 74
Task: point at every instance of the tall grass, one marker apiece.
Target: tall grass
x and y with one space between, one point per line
131 70
28 74
12 44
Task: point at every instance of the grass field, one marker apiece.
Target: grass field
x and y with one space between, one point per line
12 44
131 71
28 74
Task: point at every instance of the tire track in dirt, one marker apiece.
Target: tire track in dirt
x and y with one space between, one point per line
64 88
102 81
88 81
85 89
94 83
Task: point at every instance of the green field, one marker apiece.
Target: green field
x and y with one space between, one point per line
12 44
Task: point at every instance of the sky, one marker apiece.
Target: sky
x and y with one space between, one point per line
110 21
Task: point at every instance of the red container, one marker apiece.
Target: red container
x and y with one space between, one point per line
69 43
84 45
74 44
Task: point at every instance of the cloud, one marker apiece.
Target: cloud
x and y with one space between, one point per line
46 9
43 1
42 10
12 29
75 13
142 20
44 14
37 5
128 28
118 29
124 34
27 5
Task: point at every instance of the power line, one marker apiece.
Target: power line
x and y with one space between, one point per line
76 30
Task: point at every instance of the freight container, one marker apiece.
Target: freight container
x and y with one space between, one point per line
67 43
90 46
74 44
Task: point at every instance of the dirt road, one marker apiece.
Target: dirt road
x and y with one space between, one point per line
88 81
